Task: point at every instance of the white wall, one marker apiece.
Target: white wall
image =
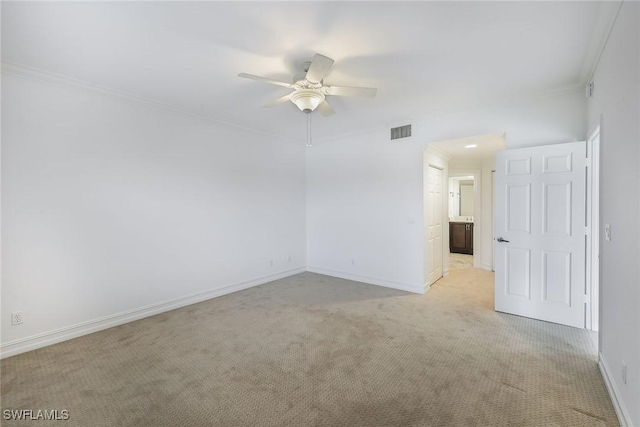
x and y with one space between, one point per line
363 213
365 192
109 207
617 100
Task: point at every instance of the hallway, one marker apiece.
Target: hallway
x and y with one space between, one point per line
457 261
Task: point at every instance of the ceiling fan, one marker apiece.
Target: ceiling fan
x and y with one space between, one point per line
309 90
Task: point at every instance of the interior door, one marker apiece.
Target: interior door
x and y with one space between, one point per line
540 233
434 195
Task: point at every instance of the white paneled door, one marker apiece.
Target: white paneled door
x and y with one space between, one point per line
540 233
434 224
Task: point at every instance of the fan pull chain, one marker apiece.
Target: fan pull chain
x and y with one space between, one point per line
309 144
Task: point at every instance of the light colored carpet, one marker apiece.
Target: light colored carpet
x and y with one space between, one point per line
312 350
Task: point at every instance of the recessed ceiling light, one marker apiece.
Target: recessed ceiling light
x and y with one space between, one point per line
471 146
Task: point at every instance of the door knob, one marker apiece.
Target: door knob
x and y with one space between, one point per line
501 240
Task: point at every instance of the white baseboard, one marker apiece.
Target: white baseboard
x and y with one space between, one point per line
416 289
428 285
621 411
63 334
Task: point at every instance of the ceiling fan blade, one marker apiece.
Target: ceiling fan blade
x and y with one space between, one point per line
368 92
325 109
319 68
264 79
279 101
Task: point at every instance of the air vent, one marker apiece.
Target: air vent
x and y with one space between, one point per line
401 132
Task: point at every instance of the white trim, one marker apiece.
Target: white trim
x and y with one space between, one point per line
416 289
493 105
493 219
59 80
502 103
621 411
593 231
63 334
607 17
69 82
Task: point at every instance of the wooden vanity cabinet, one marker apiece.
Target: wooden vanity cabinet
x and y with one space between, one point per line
461 237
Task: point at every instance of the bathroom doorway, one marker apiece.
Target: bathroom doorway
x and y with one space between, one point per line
462 201
471 161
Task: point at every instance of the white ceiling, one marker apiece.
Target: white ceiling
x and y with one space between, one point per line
485 146
424 57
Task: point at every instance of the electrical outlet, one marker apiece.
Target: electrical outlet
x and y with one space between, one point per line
607 232
270 263
289 258
353 262
16 318
624 372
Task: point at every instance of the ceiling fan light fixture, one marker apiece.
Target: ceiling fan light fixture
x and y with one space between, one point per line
308 86
307 100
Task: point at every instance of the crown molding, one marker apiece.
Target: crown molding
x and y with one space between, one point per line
59 80
503 103
608 12
51 78
454 112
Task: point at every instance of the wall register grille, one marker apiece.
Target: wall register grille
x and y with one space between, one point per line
401 132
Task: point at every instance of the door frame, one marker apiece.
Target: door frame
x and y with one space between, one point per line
592 285
493 220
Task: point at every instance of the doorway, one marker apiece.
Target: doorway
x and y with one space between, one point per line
555 268
470 156
463 187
